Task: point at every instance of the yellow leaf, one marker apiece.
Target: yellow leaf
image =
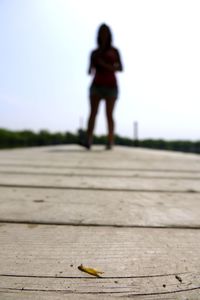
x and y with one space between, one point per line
90 271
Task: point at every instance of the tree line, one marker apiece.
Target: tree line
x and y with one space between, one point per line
28 138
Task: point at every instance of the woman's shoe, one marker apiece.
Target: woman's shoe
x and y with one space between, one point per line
109 147
83 140
85 144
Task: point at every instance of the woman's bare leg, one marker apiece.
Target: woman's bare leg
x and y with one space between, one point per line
110 104
94 105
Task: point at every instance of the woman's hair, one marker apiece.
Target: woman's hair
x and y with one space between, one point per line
109 36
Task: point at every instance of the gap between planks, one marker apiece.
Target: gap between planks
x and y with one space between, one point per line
98 175
35 186
27 222
40 166
137 286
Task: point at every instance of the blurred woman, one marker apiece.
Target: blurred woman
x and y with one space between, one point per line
105 61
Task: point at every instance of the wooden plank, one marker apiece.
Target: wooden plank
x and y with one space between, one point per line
135 261
43 250
170 167
98 172
129 287
121 157
103 183
39 261
97 207
32 295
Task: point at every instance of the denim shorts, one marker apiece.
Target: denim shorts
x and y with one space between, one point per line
103 91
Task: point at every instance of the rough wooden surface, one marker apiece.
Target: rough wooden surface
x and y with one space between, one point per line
98 172
119 252
153 195
101 183
122 158
87 207
30 295
92 286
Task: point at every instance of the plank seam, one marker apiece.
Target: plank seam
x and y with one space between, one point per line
99 175
27 222
101 168
100 278
95 189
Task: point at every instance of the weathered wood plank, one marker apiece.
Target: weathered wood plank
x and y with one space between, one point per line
39 261
135 261
173 167
106 183
31 295
41 250
98 172
129 287
97 207
123 157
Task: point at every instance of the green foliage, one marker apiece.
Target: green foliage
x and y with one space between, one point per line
28 138
174 145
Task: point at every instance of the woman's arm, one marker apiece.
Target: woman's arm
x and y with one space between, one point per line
118 64
91 64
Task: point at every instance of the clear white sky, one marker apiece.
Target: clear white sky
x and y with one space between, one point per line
44 51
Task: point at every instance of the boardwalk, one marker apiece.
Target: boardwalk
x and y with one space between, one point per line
134 214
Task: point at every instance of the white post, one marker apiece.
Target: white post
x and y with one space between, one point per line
135 131
81 122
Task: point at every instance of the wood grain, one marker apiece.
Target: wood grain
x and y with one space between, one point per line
135 261
84 182
129 287
96 207
120 252
121 158
98 172
132 213
29 295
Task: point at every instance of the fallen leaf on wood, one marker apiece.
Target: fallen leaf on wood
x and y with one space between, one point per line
90 271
